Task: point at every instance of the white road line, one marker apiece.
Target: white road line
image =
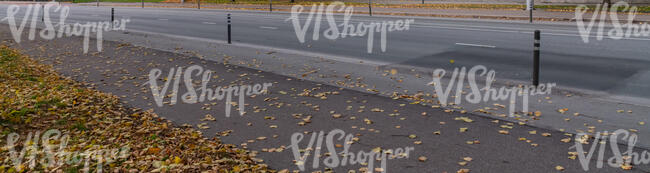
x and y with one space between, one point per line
498 29
596 36
268 27
592 35
163 19
488 27
277 49
476 45
471 29
209 23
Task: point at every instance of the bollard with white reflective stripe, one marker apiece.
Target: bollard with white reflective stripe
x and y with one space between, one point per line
536 59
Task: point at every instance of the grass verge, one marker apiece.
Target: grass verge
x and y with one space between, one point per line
94 130
569 8
85 1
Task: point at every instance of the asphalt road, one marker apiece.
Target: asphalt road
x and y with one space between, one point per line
618 67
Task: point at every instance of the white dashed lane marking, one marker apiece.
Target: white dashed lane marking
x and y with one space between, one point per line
475 45
268 27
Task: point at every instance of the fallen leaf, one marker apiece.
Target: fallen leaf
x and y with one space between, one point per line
422 158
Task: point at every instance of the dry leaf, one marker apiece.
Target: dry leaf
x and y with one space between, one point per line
422 158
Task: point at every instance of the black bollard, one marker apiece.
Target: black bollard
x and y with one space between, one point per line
536 58
229 38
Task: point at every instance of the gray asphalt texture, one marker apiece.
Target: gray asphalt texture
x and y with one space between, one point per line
122 69
617 67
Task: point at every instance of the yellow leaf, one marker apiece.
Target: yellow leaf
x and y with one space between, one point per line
626 167
467 120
